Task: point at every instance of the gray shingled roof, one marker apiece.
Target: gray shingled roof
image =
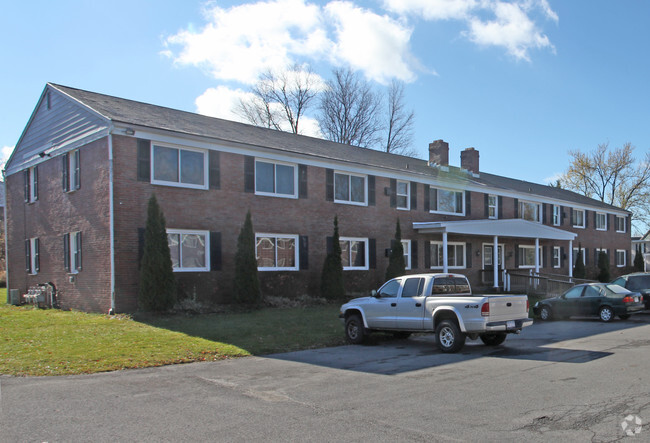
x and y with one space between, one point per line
132 112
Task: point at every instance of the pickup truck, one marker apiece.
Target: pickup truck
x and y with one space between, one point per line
439 303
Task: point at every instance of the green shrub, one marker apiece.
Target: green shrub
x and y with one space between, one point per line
603 267
579 268
332 286
247 283
396 263
639 265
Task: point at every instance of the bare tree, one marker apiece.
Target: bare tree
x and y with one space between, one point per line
280 99
399 126
350 110
613 177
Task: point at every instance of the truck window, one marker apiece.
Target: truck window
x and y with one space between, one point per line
450 285
413 287
390 289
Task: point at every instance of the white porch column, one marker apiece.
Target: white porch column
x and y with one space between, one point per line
495 261
445 266
537 255
570 258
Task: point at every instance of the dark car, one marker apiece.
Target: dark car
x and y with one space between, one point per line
605 300
639 282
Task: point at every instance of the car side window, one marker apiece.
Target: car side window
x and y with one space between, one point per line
574 292
413 287
390 289
593 291
619 281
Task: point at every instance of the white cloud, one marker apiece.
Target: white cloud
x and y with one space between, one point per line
5 153
552 180
432 9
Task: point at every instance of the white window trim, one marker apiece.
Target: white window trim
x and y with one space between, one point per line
280 268
464 245
365 188
74 258
559 257
179 184
557 215
33 184
276 194
206 236
406 244
584 215
495 206
539 210
484 256
601 214
624 224
541 263
462 203
357 268
622 251
407 195
32 256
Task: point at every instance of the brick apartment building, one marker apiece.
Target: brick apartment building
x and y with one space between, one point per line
78 183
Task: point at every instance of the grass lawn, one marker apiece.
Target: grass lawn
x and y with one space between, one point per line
52 342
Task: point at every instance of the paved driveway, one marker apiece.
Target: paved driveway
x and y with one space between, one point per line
570 380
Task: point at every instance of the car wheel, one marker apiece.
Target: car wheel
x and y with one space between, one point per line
449 336
401 335
354 329
545 313
624 316
606 314
493 339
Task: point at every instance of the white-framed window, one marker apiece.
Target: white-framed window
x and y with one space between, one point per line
189 250
32 257
354 253
276 179
276 252
350 188
406 246
71 169
403 200
620 258
455 255
530 211
578 218
72 252
31 184
597 253
493 207
557 215
447 201
575 256
527 257
556 256
620 224
176 166
601 221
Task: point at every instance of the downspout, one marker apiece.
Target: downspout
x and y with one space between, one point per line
4 209
111 217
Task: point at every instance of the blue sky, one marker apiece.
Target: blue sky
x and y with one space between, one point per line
522 81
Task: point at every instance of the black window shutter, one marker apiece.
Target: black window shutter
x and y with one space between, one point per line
330 245
427 254
393 193
571 223
517 256
141 232
26 178
516 200
35 184
64 174
329 185
215 251
372 252
414 195
414 254
249 174
544 256
544 211
561 256
562 215
302 181
486 202
144 160
427 198
468 203
468 254
28 257
66 252
609 219
214 160
37 254
500 204
78 238
586 219
303 253
371 190
77 169
586 256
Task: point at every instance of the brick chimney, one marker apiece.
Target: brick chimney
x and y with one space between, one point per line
469 160
439 153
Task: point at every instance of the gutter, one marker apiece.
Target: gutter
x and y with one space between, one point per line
111 217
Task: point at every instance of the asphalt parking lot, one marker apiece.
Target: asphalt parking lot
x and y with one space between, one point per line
569 380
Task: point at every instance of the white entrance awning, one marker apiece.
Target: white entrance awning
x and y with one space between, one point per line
514 227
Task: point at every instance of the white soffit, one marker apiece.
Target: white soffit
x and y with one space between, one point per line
501 228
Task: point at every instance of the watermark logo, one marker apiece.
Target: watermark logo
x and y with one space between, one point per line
632 425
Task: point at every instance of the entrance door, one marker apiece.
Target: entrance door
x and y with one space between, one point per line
488 266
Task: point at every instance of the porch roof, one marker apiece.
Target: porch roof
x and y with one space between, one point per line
502 228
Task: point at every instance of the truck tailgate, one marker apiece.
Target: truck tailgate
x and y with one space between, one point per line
507 307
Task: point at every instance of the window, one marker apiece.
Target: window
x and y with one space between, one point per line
179 167
276 252
557 216
601 221
276 179
446 201
71 167
32 259
390 289
403 195
578 218
530 211
72 252
349 188
575 256
413 287
31 184
406 246
354 253
556 256
620 224
620 258
189 250
527 257
455 255
575 292
493 206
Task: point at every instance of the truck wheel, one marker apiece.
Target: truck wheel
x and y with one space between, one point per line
354 329
449 336
493 339
606 314
545 313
